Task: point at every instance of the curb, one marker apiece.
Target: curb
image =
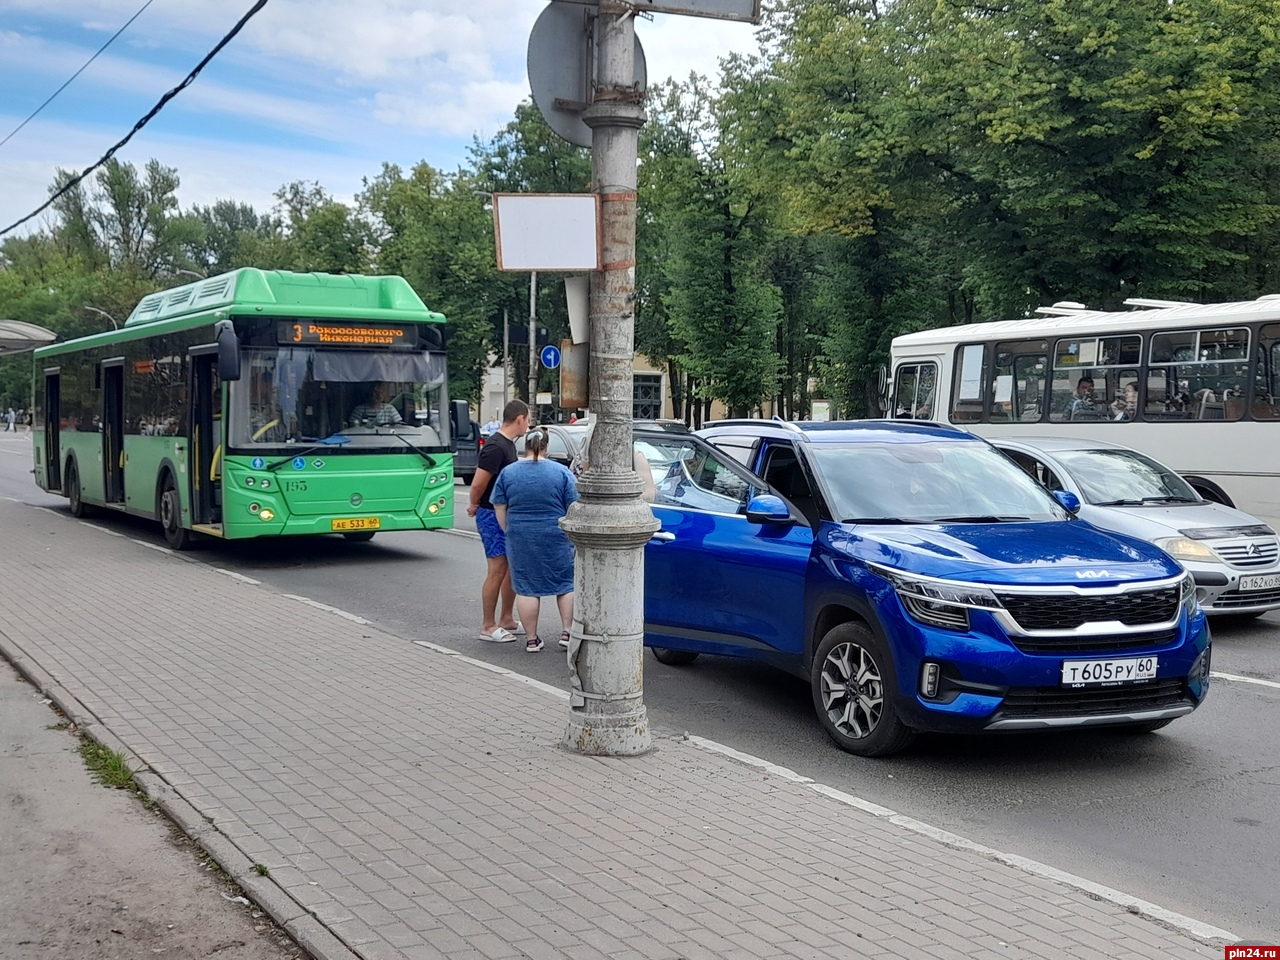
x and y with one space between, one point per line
276 902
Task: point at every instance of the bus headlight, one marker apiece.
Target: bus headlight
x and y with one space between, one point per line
266 514
433 508
1184 548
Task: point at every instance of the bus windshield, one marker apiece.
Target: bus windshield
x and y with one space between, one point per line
372 399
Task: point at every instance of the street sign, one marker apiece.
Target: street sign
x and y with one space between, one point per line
547 231
747 11
550 356
562 68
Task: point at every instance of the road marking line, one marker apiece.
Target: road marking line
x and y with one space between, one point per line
746 758
1239 679
13 499
153 546
494 668
328 609
110 533
238 576
1196 928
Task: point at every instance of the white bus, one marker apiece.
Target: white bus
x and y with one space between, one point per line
1196 386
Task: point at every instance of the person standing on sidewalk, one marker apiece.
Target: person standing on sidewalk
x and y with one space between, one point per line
529 499
9 419
498 453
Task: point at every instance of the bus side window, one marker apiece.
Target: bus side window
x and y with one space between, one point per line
1266 384
913 391
966 405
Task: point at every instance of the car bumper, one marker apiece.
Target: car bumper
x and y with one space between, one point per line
988 684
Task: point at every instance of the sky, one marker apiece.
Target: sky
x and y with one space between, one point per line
315 90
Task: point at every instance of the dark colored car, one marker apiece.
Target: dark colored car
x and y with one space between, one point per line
917 578
563 440
466 453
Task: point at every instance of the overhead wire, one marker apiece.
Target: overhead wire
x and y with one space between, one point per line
76 74
76 180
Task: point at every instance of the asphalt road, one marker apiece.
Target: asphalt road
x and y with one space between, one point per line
1187 817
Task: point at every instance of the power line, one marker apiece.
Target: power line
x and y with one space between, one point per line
75 181
76 74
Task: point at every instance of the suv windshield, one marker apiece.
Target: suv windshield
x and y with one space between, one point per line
927 482
1123 476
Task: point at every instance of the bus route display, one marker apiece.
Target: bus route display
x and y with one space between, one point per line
330 334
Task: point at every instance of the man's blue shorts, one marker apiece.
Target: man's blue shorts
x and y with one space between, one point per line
491 535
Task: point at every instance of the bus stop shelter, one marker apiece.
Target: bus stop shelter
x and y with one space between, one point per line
17 336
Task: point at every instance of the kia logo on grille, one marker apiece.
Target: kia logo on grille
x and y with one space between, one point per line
1092 574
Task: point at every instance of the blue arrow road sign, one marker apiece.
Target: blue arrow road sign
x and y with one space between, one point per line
550 357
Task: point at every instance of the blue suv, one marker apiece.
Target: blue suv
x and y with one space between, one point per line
918 578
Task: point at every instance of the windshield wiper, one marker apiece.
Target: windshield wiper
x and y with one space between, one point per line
978 518
884 520
1168 500
431 461
1119 503
336 440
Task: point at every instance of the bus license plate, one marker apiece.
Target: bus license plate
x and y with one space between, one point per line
1269 582
356 523
1077 673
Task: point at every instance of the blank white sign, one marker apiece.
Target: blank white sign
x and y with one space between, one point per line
547 231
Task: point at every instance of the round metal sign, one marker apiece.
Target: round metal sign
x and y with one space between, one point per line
550 356
561 48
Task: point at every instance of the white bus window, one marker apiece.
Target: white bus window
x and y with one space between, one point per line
913 388
1266 380
1018 381
966 405
1198 375
1090 377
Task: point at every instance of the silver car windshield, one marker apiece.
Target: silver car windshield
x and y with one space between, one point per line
1123 476
935 481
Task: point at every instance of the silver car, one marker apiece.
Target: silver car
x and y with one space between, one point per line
1234 557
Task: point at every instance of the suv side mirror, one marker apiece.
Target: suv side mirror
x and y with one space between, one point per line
228 350
766 508
1069 501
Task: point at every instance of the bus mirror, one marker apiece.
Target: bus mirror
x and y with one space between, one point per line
459 419
228 350
882 388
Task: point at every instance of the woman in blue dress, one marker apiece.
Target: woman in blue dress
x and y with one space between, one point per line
529 498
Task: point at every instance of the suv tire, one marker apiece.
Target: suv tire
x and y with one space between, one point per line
855 692
673 658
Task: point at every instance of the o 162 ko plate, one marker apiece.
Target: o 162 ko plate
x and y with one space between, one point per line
1269 581
1092 673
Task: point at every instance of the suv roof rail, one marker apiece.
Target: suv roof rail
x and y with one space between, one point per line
786 423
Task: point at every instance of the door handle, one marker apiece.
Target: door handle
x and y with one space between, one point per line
663 536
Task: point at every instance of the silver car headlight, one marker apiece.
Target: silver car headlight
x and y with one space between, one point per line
1184 548
939 603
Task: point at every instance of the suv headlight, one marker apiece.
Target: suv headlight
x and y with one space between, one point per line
1188 597
939 603
1184 548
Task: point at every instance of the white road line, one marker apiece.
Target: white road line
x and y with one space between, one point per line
109 533
493 668
1236 678
153 546
746 758
238 576
328 609
12 499
1195 927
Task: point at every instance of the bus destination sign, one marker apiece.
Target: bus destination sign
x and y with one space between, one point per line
325 333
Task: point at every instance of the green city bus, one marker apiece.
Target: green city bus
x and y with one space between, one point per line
256 403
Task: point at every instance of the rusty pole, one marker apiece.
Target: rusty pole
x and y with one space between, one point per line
611 524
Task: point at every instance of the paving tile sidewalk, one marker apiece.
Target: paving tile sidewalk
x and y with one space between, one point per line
411 804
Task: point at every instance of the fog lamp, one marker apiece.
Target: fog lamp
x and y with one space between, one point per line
267 514
433 508
929 675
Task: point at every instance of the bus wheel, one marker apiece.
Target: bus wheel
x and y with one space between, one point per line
171 516
359 536
78 507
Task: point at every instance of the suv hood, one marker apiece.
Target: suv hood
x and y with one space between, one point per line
1049 553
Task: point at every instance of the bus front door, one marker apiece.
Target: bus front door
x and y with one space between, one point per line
206 439
113 429
52 428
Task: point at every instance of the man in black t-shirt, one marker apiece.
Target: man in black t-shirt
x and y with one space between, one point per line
499 451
